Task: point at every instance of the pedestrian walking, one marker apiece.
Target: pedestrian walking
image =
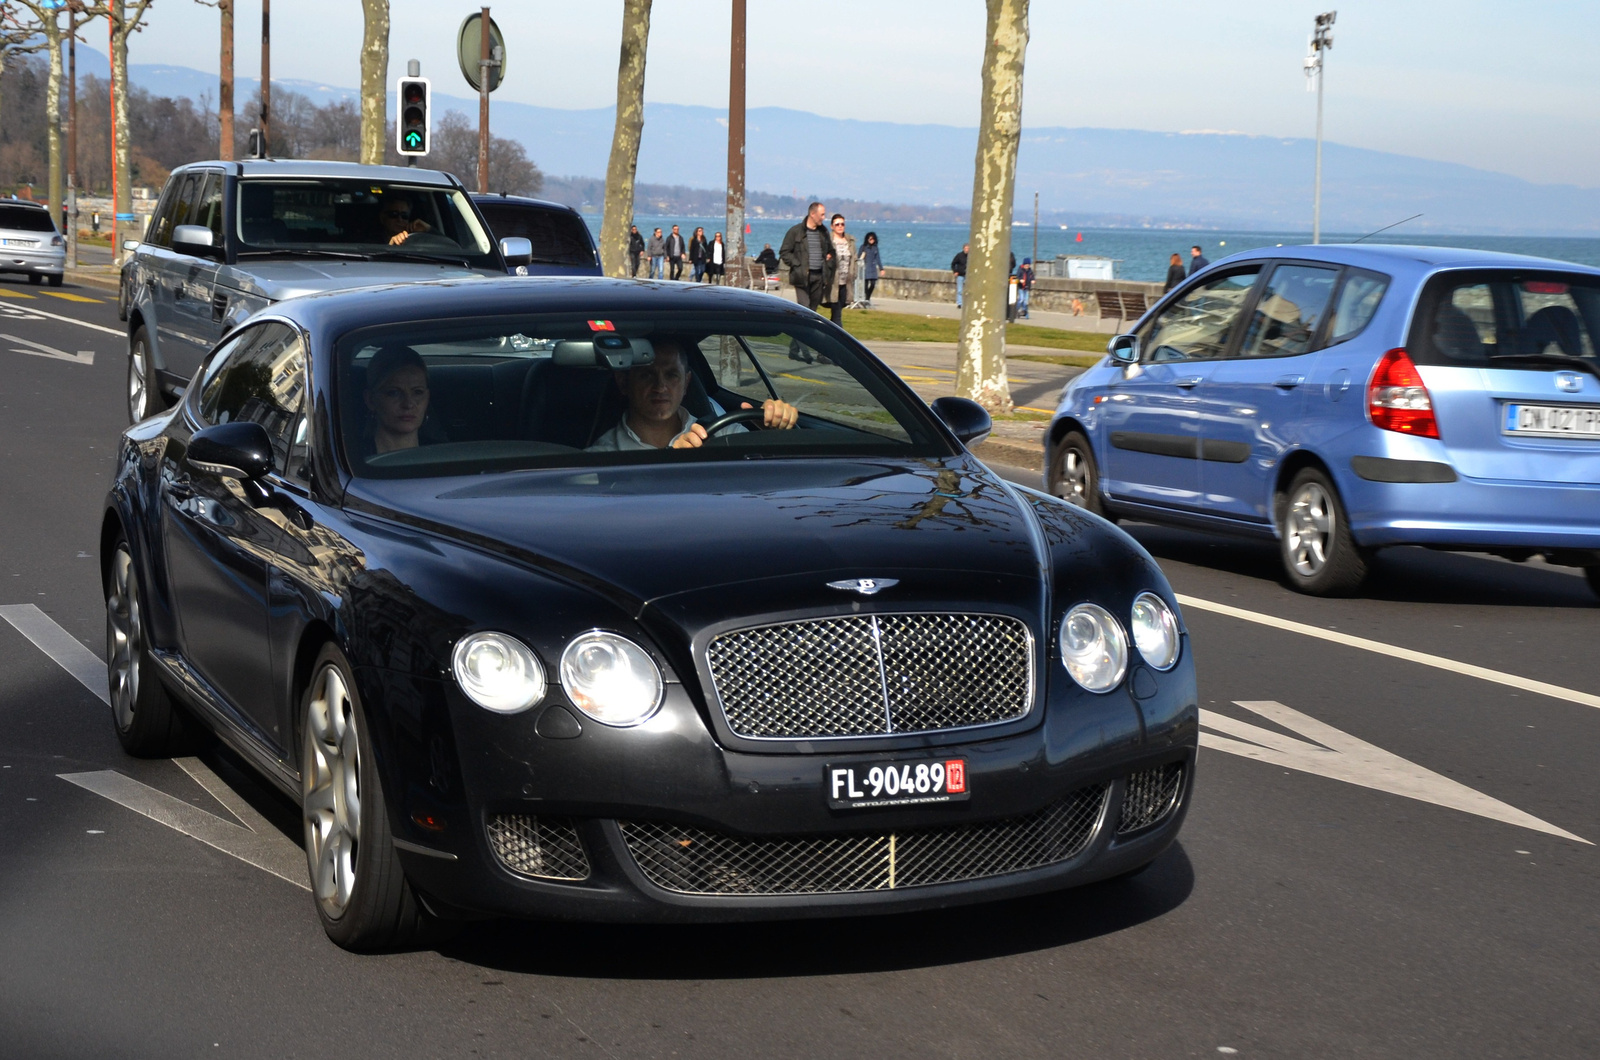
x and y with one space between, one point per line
1197 260
716 258
635 250
844 256
1175 274
807 252
1024 286
676 250
657 250
871 265
958 265
697 254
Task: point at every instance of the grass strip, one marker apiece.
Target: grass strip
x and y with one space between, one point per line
868 325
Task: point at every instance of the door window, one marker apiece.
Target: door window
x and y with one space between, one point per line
160 230
1199 325
1286 315
208 207
262 380
185 208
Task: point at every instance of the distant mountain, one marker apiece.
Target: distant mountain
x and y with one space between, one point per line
1203 179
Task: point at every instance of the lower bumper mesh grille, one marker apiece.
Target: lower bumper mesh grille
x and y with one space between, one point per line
546 847
1150 796
697 861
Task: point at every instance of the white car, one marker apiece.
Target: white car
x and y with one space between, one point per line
30 243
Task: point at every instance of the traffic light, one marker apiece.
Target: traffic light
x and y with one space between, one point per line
414 131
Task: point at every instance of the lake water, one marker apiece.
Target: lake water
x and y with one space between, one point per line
1140 254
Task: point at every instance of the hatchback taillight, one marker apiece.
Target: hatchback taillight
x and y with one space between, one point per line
1397 400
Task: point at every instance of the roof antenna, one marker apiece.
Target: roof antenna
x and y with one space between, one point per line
1385 228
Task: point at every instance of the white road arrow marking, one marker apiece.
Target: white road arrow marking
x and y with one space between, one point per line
257 843
17 312
1340 756
61 646
39 349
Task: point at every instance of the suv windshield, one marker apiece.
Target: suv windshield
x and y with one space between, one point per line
1509 319
470 396
26 219
366 218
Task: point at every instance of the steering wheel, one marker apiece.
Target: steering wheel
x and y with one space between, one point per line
728 419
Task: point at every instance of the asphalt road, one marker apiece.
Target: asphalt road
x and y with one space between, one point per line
1311 908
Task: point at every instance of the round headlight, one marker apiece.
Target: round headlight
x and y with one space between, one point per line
498 672
610 678
1093 647
1155 631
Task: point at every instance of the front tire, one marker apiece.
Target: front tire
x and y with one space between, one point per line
1319 555
1073 474
148 723
144 389
361 893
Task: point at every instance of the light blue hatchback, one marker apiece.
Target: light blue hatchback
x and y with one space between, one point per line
1344 398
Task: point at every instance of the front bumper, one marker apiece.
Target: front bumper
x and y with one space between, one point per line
628 798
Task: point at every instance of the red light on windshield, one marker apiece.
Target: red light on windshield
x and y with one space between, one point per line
1544 287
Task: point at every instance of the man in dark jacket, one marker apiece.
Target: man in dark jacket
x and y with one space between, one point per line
958 265
768 259
635 250
676 249
1197 260
807 251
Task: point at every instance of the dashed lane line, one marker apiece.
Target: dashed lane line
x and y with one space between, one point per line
70 297
1482 673
69 320
17 294
61 646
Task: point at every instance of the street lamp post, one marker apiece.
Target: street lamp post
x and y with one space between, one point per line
1321 41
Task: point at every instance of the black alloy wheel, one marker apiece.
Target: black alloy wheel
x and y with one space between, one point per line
1073 475
149 724
361 893
1320 556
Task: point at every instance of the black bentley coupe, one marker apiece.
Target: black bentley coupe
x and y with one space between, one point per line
631 601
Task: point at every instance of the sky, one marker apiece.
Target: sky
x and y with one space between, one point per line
1509 87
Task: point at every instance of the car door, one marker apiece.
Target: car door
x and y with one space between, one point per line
163 271
194 324
1252 407
1150 416
221 536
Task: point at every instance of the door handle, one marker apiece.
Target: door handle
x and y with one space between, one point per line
1188 382
1288 382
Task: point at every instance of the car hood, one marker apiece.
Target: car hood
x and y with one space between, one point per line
277 280
645 534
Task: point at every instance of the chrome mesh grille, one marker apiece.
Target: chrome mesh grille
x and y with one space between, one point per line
872 675
546 847
1150 796
697 861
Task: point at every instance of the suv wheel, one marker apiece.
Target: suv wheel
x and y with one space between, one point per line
144 389
1319 555
1073 476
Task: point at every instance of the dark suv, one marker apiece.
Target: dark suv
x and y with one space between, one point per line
229 238
560 241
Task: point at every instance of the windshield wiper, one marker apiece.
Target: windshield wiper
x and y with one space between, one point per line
303 252
1547 360
426 259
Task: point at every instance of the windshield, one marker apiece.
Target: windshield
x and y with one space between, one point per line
1508 319
365 218
471 396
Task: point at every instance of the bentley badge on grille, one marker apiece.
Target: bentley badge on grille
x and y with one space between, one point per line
864 586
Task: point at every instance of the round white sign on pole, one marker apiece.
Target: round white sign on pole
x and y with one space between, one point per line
469 50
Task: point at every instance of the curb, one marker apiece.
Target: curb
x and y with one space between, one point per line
1008 452
94 279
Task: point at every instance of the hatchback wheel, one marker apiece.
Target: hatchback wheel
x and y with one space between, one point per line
149 724
35 278
361 892
55 281
1319 555
144 390
1073 476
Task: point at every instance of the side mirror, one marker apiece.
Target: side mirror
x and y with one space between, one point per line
516 250
197 239
1124 349
241 450
131 245
967 420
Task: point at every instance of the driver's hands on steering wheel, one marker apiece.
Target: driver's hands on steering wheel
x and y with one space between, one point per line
776 415
418 225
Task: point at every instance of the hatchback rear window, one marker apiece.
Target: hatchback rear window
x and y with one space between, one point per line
25 219
1508 319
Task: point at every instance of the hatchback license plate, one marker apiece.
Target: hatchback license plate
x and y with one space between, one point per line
1554 421
870 785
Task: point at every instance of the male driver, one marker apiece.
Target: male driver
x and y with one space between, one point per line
656 418
395 216
676 249
1197 260
807 250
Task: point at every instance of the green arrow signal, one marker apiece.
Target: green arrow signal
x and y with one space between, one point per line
413 140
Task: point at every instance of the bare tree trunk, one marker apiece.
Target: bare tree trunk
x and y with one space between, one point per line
981 354
225 84
625 140
56 187
374 81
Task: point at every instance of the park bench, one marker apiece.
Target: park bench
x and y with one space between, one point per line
1124 305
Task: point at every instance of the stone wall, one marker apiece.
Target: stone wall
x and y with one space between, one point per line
1049 294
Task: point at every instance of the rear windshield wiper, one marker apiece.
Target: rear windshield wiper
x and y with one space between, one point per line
304 252
1546 360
